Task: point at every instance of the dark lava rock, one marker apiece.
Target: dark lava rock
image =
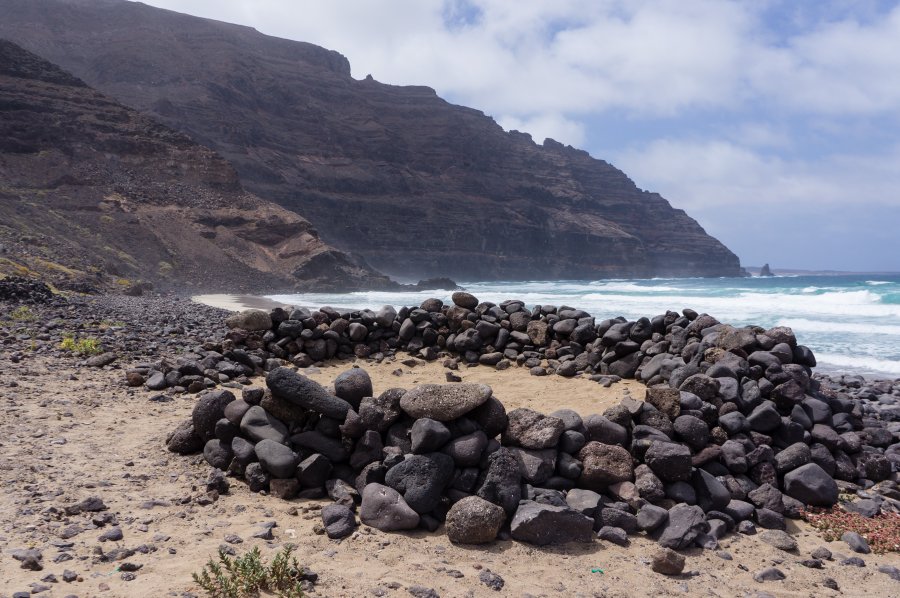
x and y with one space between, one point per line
501 483
615 535
383 508
444 402
811 485
183 440
218 454
421 479
491 580
604 464
428 435
474 520
532 430
542 524
209 409
651 517
685 523
339 521
671 462
258 424
353 385
277 459
300 390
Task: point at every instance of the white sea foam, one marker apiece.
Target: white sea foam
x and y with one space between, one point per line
805 325
866 365
877 283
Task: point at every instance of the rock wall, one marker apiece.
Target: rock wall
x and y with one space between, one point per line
734 433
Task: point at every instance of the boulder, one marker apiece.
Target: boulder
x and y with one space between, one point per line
532 430
604 464
258 424
543 524
421 479
277 459
300 390
250 320
353 385
474 520
339 521
444 402
208 410
671 462
811 485
384 509
683 526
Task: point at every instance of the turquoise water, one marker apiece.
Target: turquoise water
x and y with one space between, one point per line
851 322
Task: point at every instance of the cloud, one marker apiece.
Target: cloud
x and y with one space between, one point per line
712 174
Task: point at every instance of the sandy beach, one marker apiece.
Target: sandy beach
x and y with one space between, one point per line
67 439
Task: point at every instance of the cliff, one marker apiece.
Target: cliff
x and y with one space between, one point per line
94 193
417 186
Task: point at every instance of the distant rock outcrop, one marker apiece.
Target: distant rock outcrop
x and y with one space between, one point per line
94 191
765 271
416 185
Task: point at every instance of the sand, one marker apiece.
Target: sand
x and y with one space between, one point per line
63 439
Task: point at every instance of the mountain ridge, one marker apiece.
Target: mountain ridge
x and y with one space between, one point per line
95 193
417 186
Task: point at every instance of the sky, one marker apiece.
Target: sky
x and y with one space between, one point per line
774 123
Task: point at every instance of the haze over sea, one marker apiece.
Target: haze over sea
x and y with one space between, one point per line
851 322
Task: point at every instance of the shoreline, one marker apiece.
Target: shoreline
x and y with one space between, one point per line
157 499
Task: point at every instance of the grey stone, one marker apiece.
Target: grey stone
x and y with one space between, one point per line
671 462
277 459
353 385
383 508
339 521
542 524
421 479
298 389
529 429
811 485
667 562
474 520
258 424
208 410
684 524
444 402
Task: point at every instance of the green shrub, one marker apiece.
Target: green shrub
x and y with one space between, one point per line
83 346
22 314
246 576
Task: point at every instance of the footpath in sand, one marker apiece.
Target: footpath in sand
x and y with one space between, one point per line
68 433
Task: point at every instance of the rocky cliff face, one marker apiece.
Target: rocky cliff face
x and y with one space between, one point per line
416 185
92 192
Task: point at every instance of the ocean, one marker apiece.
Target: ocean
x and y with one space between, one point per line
851 322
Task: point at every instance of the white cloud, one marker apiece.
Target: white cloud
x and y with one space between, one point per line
554 126
708 175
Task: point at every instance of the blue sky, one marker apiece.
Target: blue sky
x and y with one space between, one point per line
776 124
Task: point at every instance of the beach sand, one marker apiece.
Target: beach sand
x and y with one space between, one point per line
64 439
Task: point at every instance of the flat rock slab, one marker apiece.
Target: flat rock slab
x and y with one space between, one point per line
542 524
444 402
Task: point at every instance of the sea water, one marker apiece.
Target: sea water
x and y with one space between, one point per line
851 322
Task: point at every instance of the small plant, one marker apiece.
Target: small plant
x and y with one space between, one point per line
246 576
84 346
882 531
22 314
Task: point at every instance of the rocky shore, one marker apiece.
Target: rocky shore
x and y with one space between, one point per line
728 442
